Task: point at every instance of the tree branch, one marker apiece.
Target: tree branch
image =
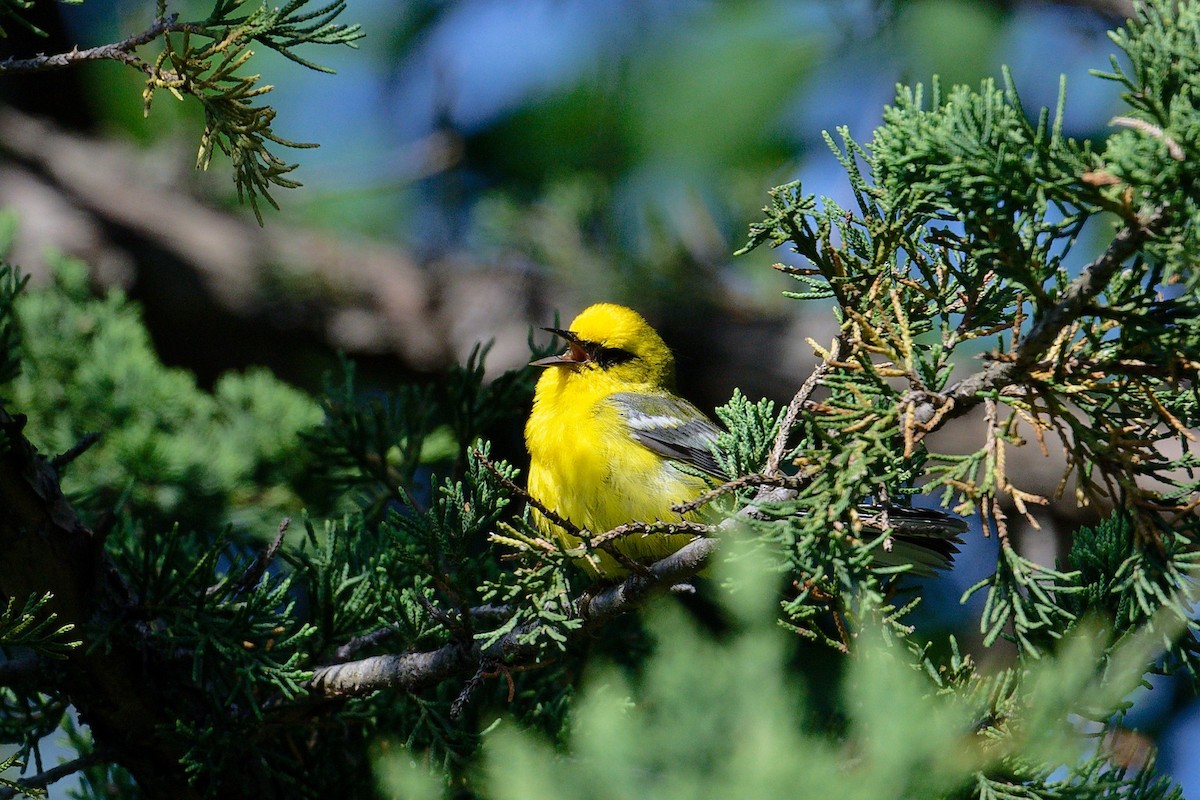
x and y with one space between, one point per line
929 409
44 547
115 51
254 573
54 774
414 671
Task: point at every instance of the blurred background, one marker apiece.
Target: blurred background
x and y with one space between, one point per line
486 164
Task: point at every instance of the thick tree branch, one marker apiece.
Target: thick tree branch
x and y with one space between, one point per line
414 671
224 272
930 410
44 547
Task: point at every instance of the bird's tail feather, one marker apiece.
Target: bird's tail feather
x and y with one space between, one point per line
926 538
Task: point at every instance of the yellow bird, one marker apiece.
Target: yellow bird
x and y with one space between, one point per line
610 443
607 437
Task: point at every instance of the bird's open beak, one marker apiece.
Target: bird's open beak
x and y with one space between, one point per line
576 354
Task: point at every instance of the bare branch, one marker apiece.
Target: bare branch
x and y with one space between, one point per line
75 451
253 574
488 613
115 51
797 405
664 528
359 643
414 671
409 671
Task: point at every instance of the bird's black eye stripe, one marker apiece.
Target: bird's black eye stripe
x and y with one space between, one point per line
607 357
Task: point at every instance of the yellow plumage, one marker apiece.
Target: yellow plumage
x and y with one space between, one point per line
607 436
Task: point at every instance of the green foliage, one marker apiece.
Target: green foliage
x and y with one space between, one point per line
1135 588
1155 157
167 450
207 60
723 716
751 429
974 157
1025 601
371 443
212 72
236 630
34 626
31 635
966 229
377 447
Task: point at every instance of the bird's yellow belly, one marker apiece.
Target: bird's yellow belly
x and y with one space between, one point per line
582 472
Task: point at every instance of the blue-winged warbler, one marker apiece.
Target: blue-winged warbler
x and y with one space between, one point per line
607 437
610 443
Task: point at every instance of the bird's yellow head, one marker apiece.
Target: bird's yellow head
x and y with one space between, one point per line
614 341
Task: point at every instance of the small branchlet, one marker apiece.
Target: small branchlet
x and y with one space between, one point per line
206 60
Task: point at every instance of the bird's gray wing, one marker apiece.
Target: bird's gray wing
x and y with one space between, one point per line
671 427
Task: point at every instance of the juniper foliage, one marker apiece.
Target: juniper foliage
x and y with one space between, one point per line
413 622
207 59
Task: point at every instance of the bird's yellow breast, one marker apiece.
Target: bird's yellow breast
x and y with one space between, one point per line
585 466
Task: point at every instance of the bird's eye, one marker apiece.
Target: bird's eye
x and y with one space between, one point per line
607 357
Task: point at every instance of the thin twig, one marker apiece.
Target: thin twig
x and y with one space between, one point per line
1150 129
487 613
797 405
359 643
663 528
794 482
439 616
254 573
508 484
76 450
469 688
602 542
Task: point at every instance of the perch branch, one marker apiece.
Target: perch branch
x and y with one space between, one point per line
413 671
